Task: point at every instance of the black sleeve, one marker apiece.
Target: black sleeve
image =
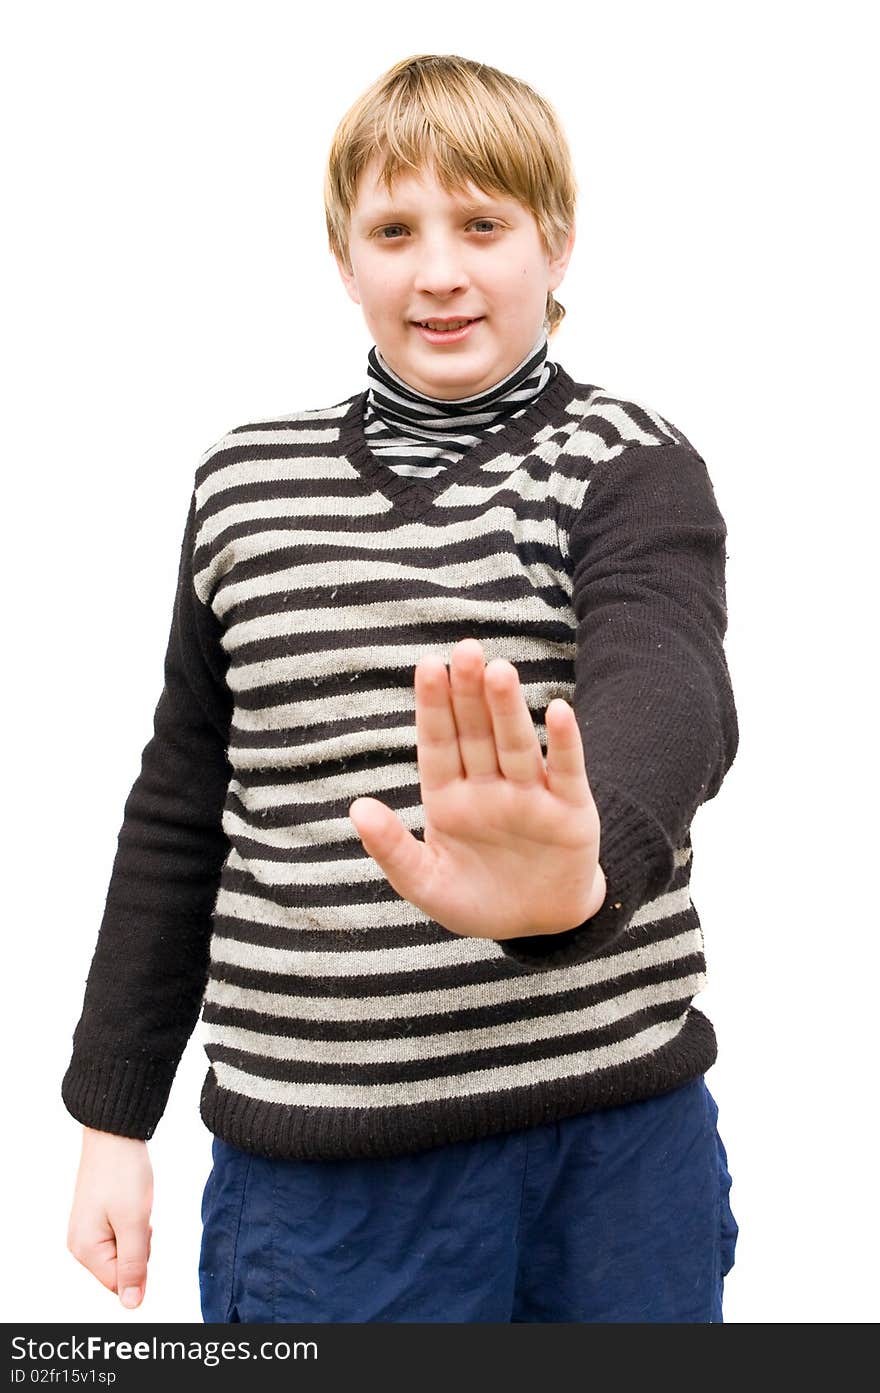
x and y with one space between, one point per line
148 973
652 694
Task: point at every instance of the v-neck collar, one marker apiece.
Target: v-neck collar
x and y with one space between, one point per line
412 497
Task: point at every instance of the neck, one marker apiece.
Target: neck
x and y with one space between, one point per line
379 372
420 435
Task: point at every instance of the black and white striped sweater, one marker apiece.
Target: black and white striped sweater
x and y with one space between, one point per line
583 542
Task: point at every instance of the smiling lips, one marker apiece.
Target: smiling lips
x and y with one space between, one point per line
446 323
445 330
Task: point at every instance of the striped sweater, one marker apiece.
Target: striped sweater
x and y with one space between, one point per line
583 542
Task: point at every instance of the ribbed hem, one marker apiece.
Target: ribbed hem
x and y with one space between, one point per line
124 1096
638 864
287 1133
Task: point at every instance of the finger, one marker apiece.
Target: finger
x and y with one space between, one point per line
99 1258
437 747
566 767
517 746
473 720
399 855
132 1246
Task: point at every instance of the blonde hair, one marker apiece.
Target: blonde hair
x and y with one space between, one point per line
471 123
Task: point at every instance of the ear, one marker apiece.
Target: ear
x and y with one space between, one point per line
558 265
348 279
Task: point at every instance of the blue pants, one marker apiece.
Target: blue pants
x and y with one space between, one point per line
620 1215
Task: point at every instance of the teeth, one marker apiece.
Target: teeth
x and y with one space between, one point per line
433 324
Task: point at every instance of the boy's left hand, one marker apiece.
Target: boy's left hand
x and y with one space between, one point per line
511 844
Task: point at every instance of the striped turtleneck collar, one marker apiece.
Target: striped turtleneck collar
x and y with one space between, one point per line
419 436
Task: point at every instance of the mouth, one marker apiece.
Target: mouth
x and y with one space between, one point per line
445 331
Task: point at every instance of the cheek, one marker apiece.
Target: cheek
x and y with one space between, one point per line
383 291
518 275
375 279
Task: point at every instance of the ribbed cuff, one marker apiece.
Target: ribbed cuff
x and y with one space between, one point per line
638 863
124 1096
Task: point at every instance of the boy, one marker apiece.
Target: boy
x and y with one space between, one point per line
456 1078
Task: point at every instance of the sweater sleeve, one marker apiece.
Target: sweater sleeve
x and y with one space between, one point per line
652 695
148 973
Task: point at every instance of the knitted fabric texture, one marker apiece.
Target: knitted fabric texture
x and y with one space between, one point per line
583 542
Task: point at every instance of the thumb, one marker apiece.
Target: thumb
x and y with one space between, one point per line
398 854
132 1253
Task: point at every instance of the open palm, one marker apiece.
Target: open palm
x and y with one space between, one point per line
511 842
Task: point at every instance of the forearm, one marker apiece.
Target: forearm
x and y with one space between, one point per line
148 972
652 694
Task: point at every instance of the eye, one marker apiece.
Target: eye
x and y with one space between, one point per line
488 224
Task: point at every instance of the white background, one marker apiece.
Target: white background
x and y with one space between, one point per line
167 277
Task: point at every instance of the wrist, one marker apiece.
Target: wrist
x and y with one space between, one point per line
93 1136
594 902
598 891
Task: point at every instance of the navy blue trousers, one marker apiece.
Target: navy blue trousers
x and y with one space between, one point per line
620 1215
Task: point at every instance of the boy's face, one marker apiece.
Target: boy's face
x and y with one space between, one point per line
426 254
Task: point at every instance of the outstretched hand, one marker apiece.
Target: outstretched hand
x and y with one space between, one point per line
511 843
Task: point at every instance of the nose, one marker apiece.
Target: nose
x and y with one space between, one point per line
441 270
